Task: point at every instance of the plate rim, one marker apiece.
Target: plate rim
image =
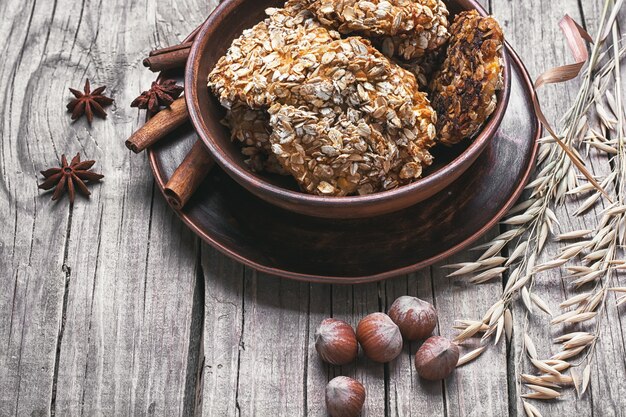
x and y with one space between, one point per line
328 279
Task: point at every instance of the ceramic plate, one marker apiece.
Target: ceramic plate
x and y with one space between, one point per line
296 246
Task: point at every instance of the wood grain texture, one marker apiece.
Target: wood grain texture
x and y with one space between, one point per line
33 231
223 332
114 307
99 297
273 360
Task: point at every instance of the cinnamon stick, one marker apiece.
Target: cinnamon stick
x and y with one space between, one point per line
188 176
168 58
159 126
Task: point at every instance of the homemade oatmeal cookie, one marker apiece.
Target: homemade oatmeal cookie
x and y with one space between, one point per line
407 29
272 51
251 129
357 124
464 89
343 119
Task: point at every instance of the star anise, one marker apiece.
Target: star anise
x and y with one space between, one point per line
70 177
89 102
160 95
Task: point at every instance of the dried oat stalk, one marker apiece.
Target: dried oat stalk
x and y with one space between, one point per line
599 253
596 251
532 223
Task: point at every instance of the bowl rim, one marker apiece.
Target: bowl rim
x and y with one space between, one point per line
244 176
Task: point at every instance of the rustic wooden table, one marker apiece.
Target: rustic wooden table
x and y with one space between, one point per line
115 308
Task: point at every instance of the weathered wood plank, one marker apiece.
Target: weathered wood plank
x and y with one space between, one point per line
274 351
318 373
232 371
110 331
555 99
223 331
32 229
126 343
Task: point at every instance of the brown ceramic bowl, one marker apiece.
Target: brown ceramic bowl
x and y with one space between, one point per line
226 23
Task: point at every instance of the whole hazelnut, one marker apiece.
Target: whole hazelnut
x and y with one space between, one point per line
335 342
416 318
344 397
436 358
380 337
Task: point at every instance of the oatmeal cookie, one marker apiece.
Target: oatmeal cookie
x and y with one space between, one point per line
464 89
358 124
251 129
272 51
344 119
407 29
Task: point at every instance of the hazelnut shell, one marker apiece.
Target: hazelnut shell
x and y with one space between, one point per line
436 358
344 397
415 318
379 337
335 342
